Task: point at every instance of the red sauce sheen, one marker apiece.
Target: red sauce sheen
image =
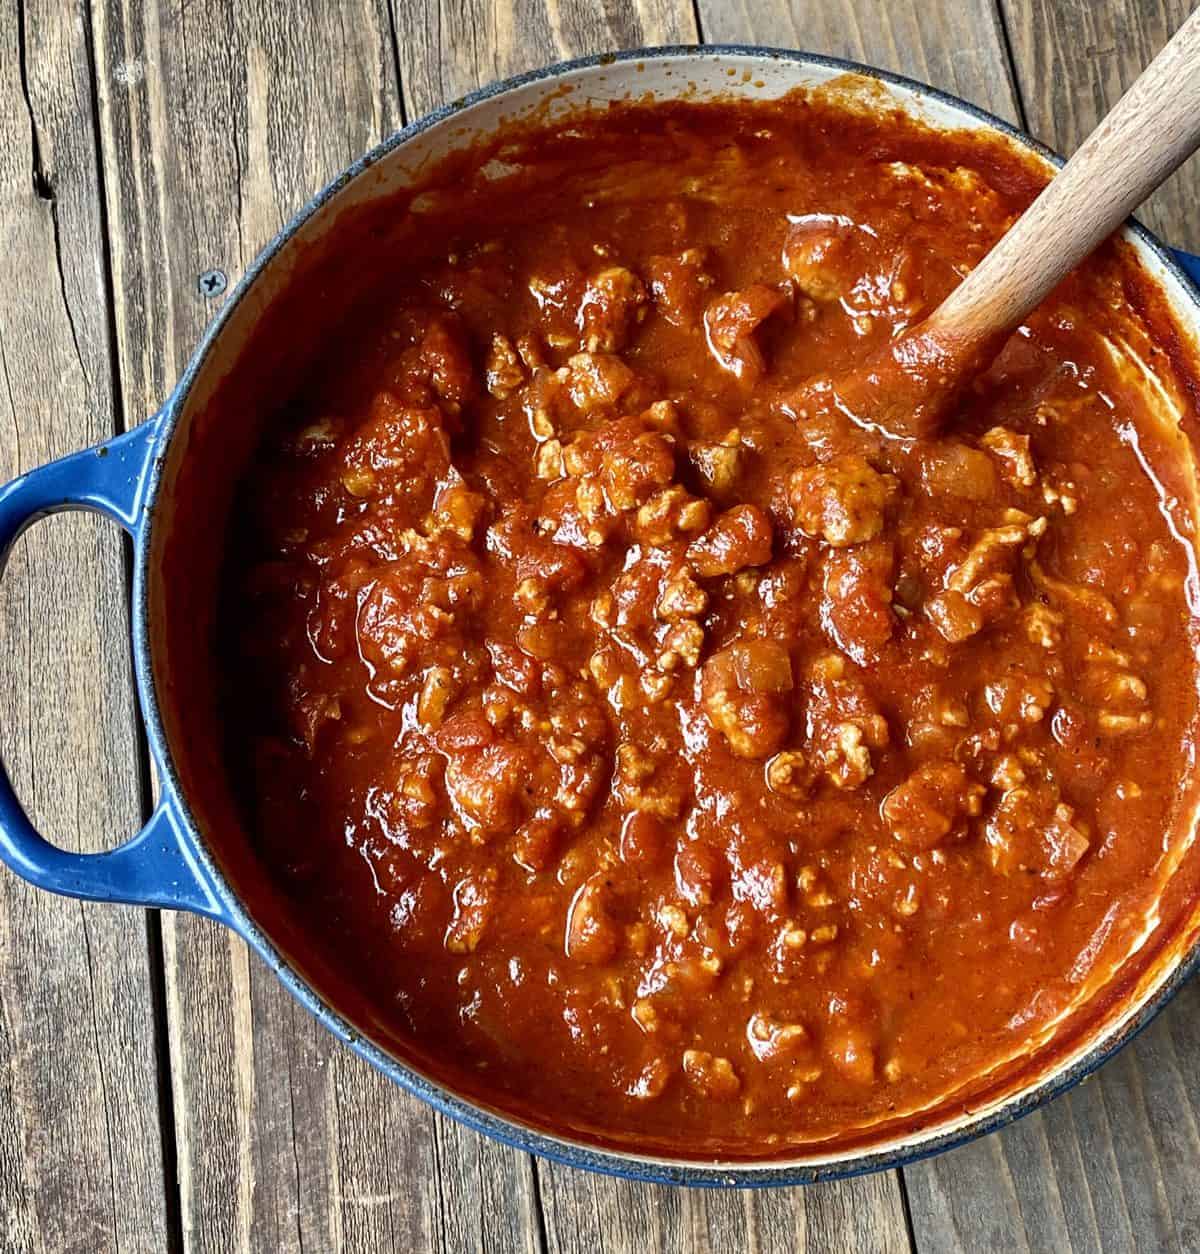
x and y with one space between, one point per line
670 758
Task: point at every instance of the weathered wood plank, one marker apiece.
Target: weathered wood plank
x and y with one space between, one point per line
1072 63
1112 1165
585 1213
218 122
81 1158
957 45
447 49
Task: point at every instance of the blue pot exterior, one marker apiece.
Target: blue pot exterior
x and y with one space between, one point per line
167 864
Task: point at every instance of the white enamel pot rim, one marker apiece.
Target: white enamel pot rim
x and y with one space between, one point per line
696 73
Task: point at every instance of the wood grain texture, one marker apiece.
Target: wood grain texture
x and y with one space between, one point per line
1110 1166
957 45
219 121
447 49
585 1213
1073 61
81 1162
1113 1165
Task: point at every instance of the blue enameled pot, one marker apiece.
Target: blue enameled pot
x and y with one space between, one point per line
150 482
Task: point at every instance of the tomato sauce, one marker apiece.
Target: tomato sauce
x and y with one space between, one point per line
669 757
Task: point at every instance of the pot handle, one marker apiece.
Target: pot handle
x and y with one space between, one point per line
154 868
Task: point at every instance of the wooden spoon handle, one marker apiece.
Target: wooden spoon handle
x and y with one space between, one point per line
1154 127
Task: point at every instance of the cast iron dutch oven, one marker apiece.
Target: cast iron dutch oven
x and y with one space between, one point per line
169 483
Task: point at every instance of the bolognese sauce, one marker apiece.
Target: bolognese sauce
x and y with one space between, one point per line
677 761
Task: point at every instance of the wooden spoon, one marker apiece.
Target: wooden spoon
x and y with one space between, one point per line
909 388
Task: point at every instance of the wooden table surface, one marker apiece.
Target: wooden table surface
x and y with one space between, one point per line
158 1089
